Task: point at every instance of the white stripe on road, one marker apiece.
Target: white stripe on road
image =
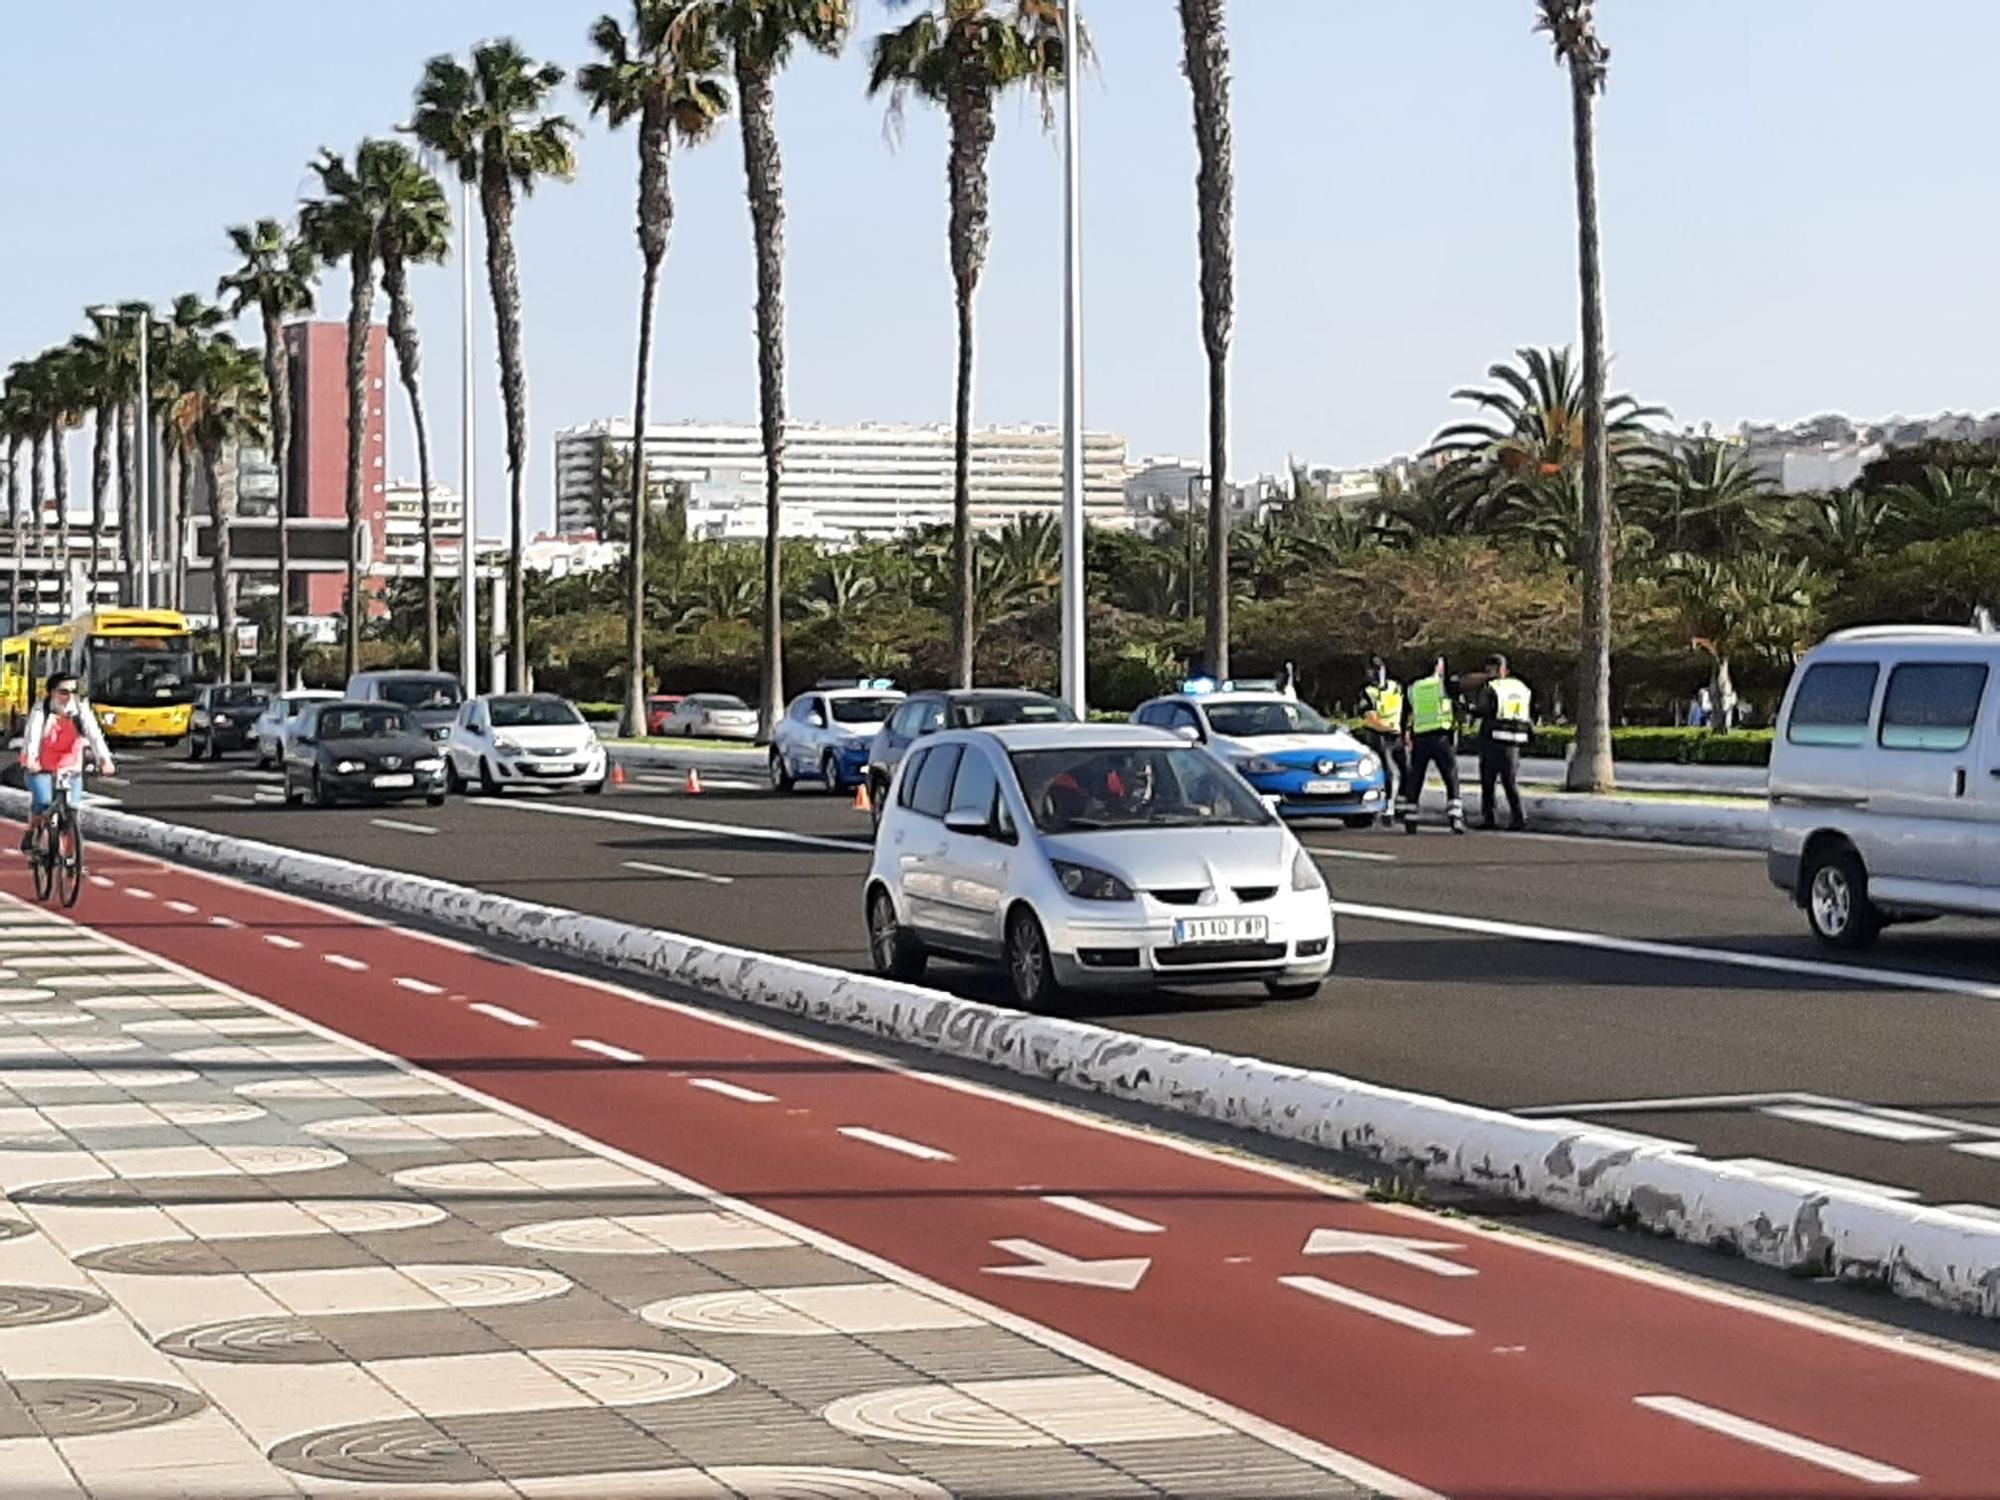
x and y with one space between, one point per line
138 892
686 825
1856 974
895 1143
401 827
678 873
1856 1123
185 908
605 1049
279 940
342 961
232 800
1362 854
1376 1307
734 1091
224 922
421 986
115 780
501 1013
102 881
718 783
1776 1440
1131 1223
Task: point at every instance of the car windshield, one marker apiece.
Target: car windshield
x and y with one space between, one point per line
719 700
974 712
371 723
139 672
422 692
533 713
862 710
1272 716
239 695
1133 786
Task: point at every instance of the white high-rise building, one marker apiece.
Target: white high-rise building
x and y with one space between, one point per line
403 526
840 483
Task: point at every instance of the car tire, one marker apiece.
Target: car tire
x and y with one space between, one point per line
194 746
1292 989
1031 970
214 750
893 950
292 796
434 799
488 786
321 797
781 774
453 782
1838 909
829 773
1364 820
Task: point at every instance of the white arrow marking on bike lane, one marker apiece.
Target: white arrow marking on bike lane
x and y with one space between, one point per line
1416 1254
1045 1264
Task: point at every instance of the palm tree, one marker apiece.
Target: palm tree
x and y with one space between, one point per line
962 55
1837 530
219 409
1747 603
1704 497
95 370
346 225
661 74
17 426
488 121
1573 30
761 35
276 277
181 341
71 396
1205 41
30 379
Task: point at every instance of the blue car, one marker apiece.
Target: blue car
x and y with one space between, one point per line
825 734
1282 748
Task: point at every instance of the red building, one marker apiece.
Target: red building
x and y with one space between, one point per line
318 487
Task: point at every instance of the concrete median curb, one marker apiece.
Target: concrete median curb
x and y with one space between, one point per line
1946 1259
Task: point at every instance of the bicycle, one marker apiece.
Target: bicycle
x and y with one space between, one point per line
57 858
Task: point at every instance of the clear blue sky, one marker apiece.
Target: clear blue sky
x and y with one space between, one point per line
1796 214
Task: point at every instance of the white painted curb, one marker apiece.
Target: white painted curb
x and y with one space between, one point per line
1743 824
1949 1260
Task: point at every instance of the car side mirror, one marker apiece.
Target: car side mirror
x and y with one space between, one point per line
924 729
1273 801
474 729
816 720
1189 733
964 820
304 739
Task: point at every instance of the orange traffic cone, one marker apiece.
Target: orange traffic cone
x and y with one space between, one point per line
861 802
618 773
693 787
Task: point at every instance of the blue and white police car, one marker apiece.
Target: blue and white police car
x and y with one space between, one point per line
1280 746
825 734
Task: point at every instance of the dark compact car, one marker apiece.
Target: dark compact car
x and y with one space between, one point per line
953 708
346 751
225 718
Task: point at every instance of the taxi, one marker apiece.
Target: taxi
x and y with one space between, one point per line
1281 746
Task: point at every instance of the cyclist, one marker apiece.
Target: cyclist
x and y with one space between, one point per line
60 728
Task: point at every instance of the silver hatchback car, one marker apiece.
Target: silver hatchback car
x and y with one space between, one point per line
1091 856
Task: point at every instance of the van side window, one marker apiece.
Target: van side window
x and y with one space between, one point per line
1932 705
1832 703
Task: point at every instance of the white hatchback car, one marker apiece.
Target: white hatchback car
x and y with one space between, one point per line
1091 856
523 739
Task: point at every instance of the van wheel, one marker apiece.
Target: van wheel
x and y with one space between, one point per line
895 953
1837 905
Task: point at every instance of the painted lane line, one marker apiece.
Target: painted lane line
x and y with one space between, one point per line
1319 852
342 961
138 893
1989 1150
686 825
185 908
734 1091
606 1049
1662 1106
895 1143
421 986
102 882
116 780
678 872
1854 974
224 922
501 1013
1776 1440
399 826
1418 1255
1855 1123
233 801
1376 1307
1130 1223
279 940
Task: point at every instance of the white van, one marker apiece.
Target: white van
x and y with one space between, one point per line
1885 780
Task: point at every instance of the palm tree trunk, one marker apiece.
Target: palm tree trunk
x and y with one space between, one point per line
100 485
1591 769
173 507
14 526
656 218
220 514
38 495
360 307
127 517
277 381
764 177
409 362
503 275
59 458
1205 40
971 113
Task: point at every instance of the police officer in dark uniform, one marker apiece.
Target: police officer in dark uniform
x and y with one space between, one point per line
1506 725
1382 730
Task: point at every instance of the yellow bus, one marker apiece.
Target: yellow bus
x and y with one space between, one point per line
136 666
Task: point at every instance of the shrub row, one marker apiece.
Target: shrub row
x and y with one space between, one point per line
1698 747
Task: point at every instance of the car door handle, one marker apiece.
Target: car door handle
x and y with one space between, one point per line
1958 782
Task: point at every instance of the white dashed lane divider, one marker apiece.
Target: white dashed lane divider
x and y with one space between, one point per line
501 1013
608 1049
1940 1255
896 1143
729 1090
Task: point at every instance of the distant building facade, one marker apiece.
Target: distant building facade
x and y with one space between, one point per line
318 354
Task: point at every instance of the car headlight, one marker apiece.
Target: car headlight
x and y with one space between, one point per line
1305 874
1370 764
430 763
348 767
1258 765
1088 883
506 746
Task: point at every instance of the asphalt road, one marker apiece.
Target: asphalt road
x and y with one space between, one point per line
1665 991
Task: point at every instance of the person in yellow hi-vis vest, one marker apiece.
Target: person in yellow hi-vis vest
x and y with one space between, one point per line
1430 728
1382 729
1506 725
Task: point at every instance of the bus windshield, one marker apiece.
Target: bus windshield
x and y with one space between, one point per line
141 671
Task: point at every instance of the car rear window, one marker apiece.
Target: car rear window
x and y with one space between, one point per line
933 793
862 710
1932 705
421 692
1832 703
977 711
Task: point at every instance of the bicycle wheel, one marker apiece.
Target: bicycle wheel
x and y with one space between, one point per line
42 860
69 871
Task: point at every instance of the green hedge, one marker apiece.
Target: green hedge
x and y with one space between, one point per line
600 710
1682 746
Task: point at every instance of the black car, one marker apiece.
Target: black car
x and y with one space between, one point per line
225 718
953 708
344 751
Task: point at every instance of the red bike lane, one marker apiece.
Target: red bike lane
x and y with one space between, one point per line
1469 1361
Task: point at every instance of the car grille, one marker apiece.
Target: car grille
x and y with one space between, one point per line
1178 897
1197 954
537 750
1255 892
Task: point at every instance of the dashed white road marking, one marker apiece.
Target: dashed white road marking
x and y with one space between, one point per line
138 893
684 825
224 922
679 872
1856 1123
729 1090
185 908
102 882
400 826
1366 855
232 799
1776 1440
606 1049
895 1143
501 1013
1376 1307
421 986
342 961
279 940
1131 1223
116 780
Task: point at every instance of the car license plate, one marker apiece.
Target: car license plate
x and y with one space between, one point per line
1327 788
560 768
1220 929
401 778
